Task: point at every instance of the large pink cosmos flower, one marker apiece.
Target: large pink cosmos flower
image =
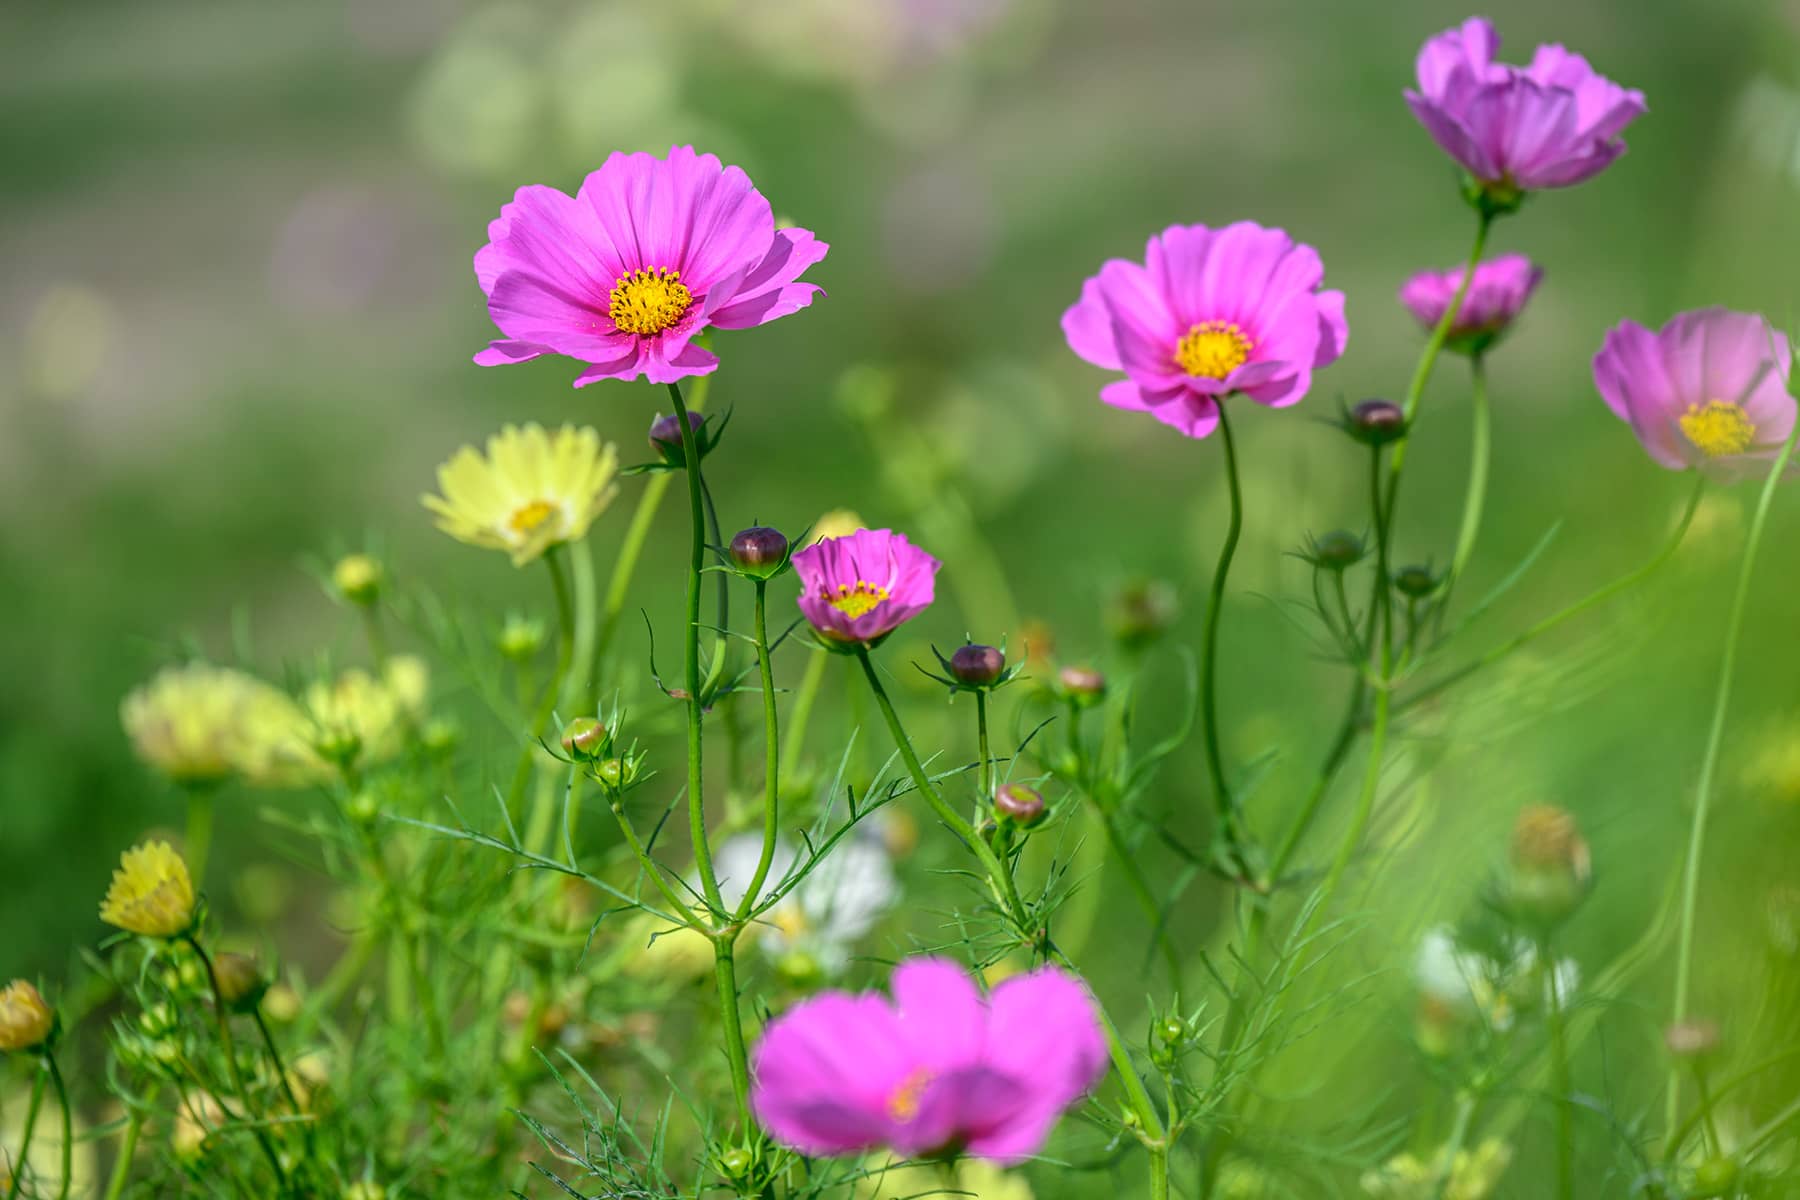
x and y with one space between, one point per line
626 272
1208 313
1518 129
860 588
937 1068
1496 296
1709 389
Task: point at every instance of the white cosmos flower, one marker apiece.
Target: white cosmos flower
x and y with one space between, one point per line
842 898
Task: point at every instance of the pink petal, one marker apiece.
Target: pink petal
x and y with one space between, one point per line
769 290
1087 324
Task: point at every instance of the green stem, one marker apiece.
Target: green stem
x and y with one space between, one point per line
281 1071
1146 898
31 1115
1209 679
983 781
198 845
1621 584
565 652
121 1172
1475 498
68 1124
377 637
804 696
771 756
1309 811
1459 1135
1690 887
228 1048
1559 1066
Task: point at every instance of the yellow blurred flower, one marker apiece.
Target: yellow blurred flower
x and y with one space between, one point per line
25 1020
151 893
970 1178
1773 766
357 578
1472 1175
660 950
196 1120
531 491
189 722
839 522
358 718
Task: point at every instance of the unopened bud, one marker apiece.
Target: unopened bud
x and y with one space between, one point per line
25 1020
364 807
613 773
521 638
1141 612
1551 866
760 551
1338 550
736 1162
1715 1177
1377 422
1692 1039
665 437
977 666
1171 1030
440 735
357 578
584 738
1019 804
1415 582
1084 685
241 980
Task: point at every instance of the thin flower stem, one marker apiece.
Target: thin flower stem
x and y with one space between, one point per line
1146 898
198 846
1209 679
771 755
636 844
724 966
631 549
1621 584
68 1123
228 1048
1475 498
1001 880
565 651
1459 1135
983 781
1690 886
121 1172
722 601
281 1071
375 634
1309 811
31 1116
804 696
1559 1066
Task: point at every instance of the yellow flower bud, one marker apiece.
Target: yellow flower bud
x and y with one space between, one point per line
357 577
25 1020
151 893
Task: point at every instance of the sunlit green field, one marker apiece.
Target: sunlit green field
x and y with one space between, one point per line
237 316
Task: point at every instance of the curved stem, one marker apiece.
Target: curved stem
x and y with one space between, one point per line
1690 886
121 1172
228 1048
1475 498
771 755
1623 583
68 1124
31 1115
1309 811
1209 686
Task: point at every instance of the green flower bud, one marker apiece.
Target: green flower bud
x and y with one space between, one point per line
357 578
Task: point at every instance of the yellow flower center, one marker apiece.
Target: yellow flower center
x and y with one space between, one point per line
1213 349
527 517
1718 428
853 602
650 301
903 1105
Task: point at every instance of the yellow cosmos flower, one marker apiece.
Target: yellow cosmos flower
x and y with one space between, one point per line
151 893
531 491
25 1020
839 522
976 1179
355 718
188 722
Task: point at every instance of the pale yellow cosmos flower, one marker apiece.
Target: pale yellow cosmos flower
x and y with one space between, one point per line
151 893
531 491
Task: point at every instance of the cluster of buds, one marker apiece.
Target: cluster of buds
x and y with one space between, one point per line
590 742
1550 869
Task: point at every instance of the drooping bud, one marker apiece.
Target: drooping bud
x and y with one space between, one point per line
241 980
665 437
25 1020
1551 867
1376 422
977 666
1693 1039
1083 685
1337 551
584 739
1019 804
1141 612
1415 582
760 552
357 578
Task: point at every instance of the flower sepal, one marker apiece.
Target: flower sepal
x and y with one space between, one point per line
665 439
973 667
1495 199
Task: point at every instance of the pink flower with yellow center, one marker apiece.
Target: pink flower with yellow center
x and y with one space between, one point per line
1707 390
857 589
1496 296
1514 129
936 1068
1209 313
627 272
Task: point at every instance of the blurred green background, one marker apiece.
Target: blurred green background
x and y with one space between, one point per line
237 312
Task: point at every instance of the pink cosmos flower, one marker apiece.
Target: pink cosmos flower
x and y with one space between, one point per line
626 272
1210 312
1518 129
1496 295
1709 389
934 1069
860 588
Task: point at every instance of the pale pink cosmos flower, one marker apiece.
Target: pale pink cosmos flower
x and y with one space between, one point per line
1208 314
1707 390
1517 129
856 590
624 274
1496 296
936 1068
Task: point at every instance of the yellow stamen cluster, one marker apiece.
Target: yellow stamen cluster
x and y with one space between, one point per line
903 1105
533 489
1718 428
151 893
647 302
25 1020
854 601
1213 349
528 517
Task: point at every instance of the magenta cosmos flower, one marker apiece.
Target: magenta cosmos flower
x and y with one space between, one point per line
1496 295
936 1068
626 272
1209 313
1518 129
1709 389
860 588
